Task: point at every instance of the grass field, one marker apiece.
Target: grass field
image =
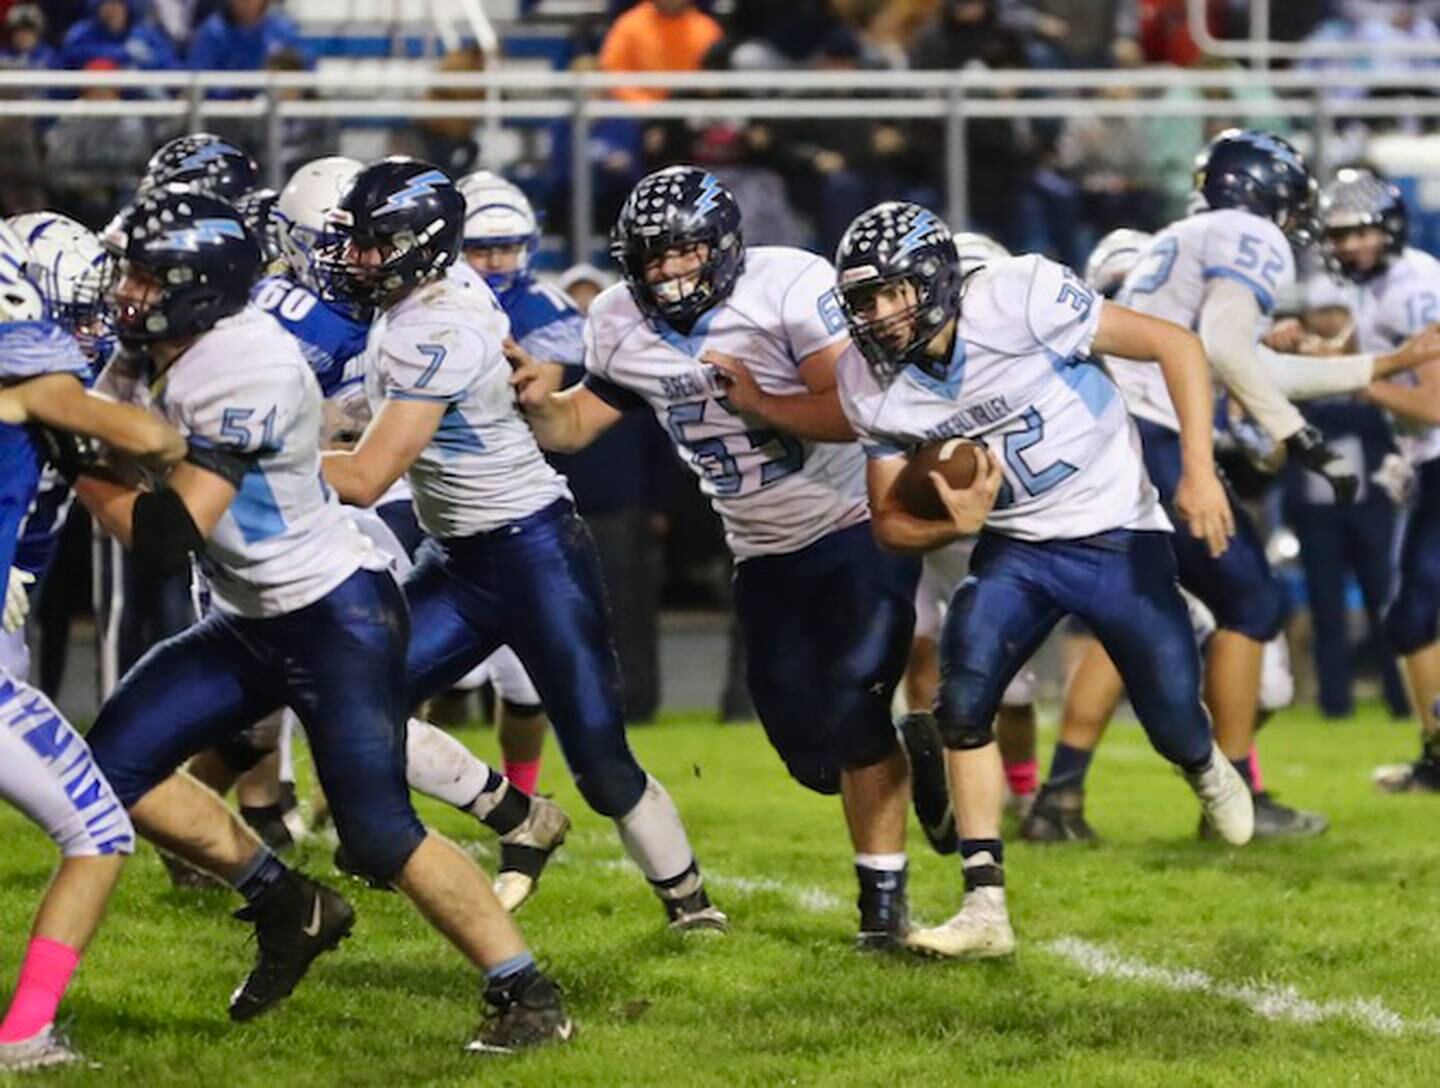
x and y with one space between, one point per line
1152 959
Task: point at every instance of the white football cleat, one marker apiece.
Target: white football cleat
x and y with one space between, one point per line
1224 798
980 931
526 849
42 1050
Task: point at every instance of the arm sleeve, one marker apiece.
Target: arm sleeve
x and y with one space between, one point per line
433 363
617 396
810 310
1308 377
1229 317
1060 309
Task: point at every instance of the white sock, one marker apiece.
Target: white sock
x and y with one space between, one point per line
655 839
285 745
883 863
440 766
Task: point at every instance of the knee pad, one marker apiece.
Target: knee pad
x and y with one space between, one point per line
611 786
966 736
375 854
815 773
1410 623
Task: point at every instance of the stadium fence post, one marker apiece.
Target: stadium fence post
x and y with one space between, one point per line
957 168
581 198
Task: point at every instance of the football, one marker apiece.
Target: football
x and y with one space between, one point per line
955 459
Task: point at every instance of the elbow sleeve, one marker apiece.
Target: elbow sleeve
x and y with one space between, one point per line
163 535
1229 319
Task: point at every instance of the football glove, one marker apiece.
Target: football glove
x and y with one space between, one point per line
1307 446
17 601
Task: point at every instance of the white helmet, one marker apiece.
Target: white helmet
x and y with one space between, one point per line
67 263
20 297
975 250
301 211
1113 257
497 213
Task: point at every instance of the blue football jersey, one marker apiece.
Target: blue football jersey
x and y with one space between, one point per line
28 349
545 323
330 339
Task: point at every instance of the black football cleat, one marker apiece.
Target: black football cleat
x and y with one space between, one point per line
295 921
1058 815
1422 776
884 918
1276 821
929 789
694 913
523 1014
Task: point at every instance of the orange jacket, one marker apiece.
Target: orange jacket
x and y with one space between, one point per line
643 40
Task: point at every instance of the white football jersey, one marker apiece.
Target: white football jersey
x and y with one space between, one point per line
245 387
1021 380
482 469
1170 281
774 492
1388 310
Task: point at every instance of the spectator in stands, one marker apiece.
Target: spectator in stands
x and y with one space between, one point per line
25 45
969 32
1089 33
1109 159
116 32
450 141
780 34
91 163
242 37
658 36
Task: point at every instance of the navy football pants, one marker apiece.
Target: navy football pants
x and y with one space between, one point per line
535 586
827 633
338 663
1411 617
1122 584
1239 587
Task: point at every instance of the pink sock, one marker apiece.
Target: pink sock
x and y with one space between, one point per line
523 775
43 978
1022 776
1255 778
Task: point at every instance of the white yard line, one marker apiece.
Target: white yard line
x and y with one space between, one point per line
1283 1003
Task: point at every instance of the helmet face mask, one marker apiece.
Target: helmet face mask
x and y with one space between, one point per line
302 210
1363 224
502 231
180 262
676 211
397 225
899 286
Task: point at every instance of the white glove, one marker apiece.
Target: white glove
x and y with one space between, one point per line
17 601
1396 476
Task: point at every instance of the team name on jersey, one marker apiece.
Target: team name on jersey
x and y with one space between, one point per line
966 420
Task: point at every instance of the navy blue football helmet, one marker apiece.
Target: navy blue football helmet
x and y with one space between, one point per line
1358 199
197 252
674 208
205 163
892 243
257 208
1261 174
408 210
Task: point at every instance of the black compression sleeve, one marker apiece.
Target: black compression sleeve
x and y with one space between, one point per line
163 535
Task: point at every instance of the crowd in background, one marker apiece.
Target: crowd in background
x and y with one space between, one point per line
1034 184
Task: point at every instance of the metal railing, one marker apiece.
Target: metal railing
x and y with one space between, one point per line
1316 99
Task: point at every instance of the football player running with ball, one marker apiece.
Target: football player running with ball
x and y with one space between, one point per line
1071 522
